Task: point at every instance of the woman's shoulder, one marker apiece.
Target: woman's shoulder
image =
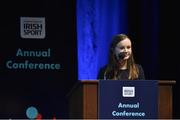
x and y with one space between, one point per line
101 72
103 69
141 71
139 66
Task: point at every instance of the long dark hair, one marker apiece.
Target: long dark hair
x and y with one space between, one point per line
112 68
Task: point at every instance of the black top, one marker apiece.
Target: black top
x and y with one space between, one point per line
122 74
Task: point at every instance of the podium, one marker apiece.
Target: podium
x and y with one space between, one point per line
83 99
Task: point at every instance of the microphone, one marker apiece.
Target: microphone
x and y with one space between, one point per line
120 56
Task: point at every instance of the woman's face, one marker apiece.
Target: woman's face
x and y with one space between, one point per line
124 47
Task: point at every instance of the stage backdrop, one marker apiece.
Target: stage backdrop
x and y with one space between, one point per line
99 20
37 58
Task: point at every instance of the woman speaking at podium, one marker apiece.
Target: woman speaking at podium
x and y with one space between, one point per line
121 65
